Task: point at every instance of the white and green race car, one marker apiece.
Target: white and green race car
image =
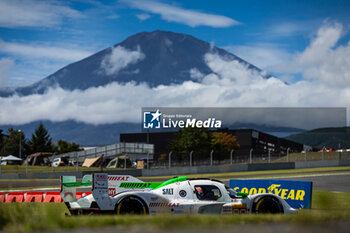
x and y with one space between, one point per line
129 195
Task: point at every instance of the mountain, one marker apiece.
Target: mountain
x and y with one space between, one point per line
154 58
166 57
328 137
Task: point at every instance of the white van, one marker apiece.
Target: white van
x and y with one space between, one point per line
59 162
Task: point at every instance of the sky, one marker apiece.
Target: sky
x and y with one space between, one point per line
305 44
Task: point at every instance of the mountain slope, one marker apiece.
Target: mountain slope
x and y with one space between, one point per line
164 58
155 58
328 137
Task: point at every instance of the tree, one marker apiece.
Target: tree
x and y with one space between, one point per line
222 143
191 139
41 140
10 145
65 147
202 141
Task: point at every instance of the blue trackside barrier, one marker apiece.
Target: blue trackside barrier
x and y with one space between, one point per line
296 193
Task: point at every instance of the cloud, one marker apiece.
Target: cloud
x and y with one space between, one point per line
113 16
26 70
33 13
322 61
261 55
6 65
291 28
36 60
180 15
143 17
120 58
195 74
230 84
42 51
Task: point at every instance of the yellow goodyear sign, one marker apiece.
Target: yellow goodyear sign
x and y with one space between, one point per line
296 193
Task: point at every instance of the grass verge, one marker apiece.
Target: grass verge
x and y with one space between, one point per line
313 156
26 217
47 169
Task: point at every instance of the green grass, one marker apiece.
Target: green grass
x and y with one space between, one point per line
24 217
313 156
41 169
28 188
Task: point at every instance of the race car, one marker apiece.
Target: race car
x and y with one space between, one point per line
180 195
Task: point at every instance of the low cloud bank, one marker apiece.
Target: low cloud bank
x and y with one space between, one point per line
231 84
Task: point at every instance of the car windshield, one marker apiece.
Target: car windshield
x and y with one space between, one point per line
207 192
232 193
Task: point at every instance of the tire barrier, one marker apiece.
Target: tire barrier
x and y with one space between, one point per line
53 197
15 197
36 196
2 197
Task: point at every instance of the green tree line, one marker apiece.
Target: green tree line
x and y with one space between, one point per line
202 141
16 143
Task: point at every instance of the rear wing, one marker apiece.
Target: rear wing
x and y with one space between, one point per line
112 184
69 186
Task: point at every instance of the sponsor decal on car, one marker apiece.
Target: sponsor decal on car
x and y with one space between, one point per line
100 177
163 204
182 193
118 178
135 185
112 192
168 191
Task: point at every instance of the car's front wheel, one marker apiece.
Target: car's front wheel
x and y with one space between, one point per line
267 205
131 205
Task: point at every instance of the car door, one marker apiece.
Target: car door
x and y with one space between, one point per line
184 198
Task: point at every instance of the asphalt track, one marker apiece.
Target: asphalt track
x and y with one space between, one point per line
334 227
336 181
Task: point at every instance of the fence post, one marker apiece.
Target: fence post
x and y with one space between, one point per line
106 151
211 157
101 166
148 160
251 155
191 158
288 154
231 153
170 158
27 168
323 148
339 152
305 155
76 163
269 156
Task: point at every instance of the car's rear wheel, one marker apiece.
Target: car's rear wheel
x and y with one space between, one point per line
131 205
267 205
